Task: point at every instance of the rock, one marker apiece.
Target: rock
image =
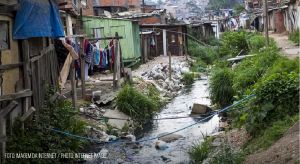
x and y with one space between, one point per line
165 159
217 142
158 76
81 110
184 70
96 96
116 114
112 138
102 127
106 98
161 145
119 160
130 137
170 138
200 109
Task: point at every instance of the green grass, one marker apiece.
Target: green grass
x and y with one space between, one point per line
188 78
200 150
271 134
226 155
294 36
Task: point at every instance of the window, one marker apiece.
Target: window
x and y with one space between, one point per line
4 35
98 32
75 2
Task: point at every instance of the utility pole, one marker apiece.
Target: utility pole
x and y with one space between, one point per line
143 6
266 21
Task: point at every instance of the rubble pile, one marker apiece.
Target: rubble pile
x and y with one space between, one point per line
159 76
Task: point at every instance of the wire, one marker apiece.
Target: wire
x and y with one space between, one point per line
153 138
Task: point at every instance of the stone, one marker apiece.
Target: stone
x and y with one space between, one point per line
130 137
112 138
119 160
161 145
217 142
81 110
96 95
119 124
170 138
200 109
165 159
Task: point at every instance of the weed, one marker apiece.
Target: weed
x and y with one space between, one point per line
220 86
135 104
226 155
294 36
188 78
200 150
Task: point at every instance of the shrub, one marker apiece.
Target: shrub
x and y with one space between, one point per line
198 66
233 43
199 151
188 78
276 96
294 36
249 71
135 104
38 136
220 86
256 42
271 134
206 54
226 155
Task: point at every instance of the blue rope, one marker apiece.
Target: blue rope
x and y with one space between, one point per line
154 138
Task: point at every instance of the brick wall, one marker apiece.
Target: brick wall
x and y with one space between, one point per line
70 6
150 20
88 10
279 22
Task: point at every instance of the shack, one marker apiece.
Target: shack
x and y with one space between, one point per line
171 38
106 27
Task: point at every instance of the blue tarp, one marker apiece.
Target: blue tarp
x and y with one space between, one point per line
37 18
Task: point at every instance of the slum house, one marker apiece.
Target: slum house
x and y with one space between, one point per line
28 61
171 38
206 30
97 27
116 6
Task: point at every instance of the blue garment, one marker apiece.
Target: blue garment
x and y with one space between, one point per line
37 18
104 59
89 54
97 56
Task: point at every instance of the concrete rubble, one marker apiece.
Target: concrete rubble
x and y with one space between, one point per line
159 76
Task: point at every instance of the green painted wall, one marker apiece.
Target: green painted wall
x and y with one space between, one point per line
129 30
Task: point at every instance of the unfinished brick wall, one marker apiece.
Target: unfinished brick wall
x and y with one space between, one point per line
150 20
279 22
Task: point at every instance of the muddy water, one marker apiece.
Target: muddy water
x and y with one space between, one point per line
177 150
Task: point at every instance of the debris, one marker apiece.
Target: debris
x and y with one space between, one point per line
165 159
117 123
130 137
103 153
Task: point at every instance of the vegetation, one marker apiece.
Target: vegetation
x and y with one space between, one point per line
136 104
272 78
39 137
188 78
226 155
220 86
294 36
200 150
270 134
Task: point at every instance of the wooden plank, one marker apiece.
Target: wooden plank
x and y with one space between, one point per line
27 114
8 109
13 96
10 66
43 52
27 74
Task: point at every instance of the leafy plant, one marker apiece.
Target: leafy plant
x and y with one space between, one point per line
226 155
233 43
294 36
188 78
220 86
38 136
200 150
135 104
276 96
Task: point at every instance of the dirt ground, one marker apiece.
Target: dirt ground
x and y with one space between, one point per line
284 151
288 48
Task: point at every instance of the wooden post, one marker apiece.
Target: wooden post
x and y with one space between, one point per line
3 114
82 59
26 75
266 21
185 46
117 75
170 66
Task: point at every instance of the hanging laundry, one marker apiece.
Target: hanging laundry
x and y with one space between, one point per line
96 56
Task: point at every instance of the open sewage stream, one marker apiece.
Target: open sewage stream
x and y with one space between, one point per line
176 151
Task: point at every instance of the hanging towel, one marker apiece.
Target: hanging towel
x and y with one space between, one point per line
96 56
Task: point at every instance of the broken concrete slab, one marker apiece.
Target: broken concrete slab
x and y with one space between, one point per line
117 123
200 109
